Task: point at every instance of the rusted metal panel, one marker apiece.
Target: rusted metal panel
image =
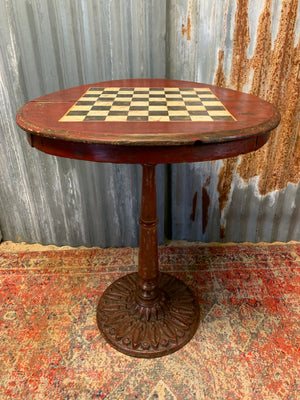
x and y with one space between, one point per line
271 73
48 45
258 52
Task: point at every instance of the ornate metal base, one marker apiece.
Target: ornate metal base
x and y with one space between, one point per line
148 331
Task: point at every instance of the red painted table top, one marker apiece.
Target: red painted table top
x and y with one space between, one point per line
162 120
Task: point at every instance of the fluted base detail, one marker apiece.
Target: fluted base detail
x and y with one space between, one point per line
160 329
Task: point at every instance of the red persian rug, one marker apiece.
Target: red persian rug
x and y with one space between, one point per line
246 346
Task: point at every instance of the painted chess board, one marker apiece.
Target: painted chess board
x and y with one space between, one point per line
147 104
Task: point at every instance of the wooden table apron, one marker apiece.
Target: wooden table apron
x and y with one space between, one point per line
148 122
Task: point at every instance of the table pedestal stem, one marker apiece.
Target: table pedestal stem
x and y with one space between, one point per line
148 314
148 292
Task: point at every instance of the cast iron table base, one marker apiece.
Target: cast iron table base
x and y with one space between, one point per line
148 330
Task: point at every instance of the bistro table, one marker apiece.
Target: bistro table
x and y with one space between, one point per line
147 121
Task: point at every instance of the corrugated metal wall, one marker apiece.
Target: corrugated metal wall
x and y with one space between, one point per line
250 45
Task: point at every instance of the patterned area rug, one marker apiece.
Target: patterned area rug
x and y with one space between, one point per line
246 346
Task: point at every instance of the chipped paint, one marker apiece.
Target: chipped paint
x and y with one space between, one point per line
271 73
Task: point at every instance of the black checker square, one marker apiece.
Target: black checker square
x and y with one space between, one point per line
95 118
141 92
74 112
89 95
137 118
177 108
104 108
147 104
180 118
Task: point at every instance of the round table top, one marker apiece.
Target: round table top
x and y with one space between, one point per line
147 120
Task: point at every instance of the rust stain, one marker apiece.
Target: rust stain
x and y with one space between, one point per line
207 182
220 78
193 215
205 206
187 29
224 183
241 40
274 75
261 59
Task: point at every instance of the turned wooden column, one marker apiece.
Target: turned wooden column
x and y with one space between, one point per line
148 252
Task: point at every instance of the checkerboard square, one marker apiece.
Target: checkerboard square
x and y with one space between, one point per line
97 112
178 113
158 118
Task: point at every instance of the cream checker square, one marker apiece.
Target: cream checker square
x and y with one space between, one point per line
158 108
97 112
203 118
103 103
98 92
88 98
81 108
119 108
72 118
195 108
136 95
170 96
120 100
158 118
133 113
141 103
178 113
191 99
116 118
176 103
104 96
